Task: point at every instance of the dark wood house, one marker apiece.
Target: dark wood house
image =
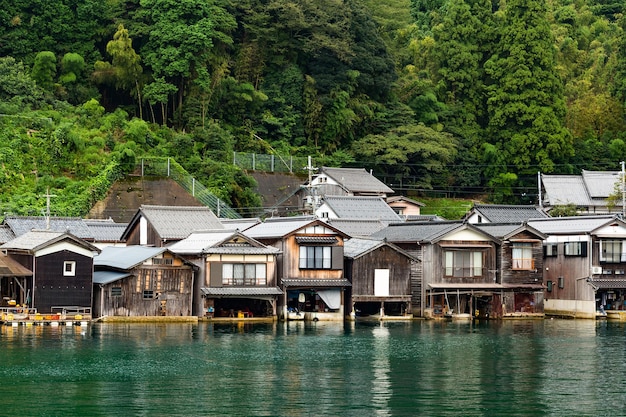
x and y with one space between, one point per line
380 273
62 266
142 281
310 266
520 268
457 273
237 274
160 226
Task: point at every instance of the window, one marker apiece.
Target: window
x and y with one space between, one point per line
463 264
523 256
612 251
315 257
162 261
244 274
576 249
561 282
148 294
116 291
69 268
550 249
549 286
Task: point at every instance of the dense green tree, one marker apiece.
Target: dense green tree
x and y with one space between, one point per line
16 85
525 98
45 69
414 153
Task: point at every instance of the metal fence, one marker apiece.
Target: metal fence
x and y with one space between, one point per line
269 163
167 167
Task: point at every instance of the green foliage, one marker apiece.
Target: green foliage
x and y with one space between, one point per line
45 69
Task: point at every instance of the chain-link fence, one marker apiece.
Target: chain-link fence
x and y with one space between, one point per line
167 167
270 163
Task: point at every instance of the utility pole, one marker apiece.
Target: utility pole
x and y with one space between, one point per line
310 197
48 195
623 191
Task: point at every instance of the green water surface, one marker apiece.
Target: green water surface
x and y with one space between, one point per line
420 368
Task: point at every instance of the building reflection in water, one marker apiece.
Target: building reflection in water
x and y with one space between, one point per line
381 385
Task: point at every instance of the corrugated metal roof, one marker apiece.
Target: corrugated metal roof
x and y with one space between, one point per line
241 291
570 225
178 222
106 230
509 213
74 225
353 227
126 257
11 268
360 207
313 283
416 231
107 277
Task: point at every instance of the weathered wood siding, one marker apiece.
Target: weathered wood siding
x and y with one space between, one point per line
52 288
571 268
382 258
172 287
214 266
508 275
434 262
153 237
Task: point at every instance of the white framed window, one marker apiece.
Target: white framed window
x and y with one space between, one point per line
315 257
244 274
612 251
576 249
522 256
69 268
463 263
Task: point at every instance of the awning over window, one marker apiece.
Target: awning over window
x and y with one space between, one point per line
332 297
241 292
314 283
607 284
327 240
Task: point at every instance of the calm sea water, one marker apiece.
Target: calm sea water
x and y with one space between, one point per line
425 368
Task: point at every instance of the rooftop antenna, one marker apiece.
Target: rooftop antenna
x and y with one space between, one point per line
48 195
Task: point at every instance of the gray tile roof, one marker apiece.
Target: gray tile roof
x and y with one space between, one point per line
356 180
278 227
6 234
355 247
312 283
177 222
361 207
353 227
591 188
416 231
241 291
106 230
74 225
240 224
607 284
397 198
506 230
38 239
126 257
509 213
570 225
221 241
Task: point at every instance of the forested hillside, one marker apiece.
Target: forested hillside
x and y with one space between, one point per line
445 97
